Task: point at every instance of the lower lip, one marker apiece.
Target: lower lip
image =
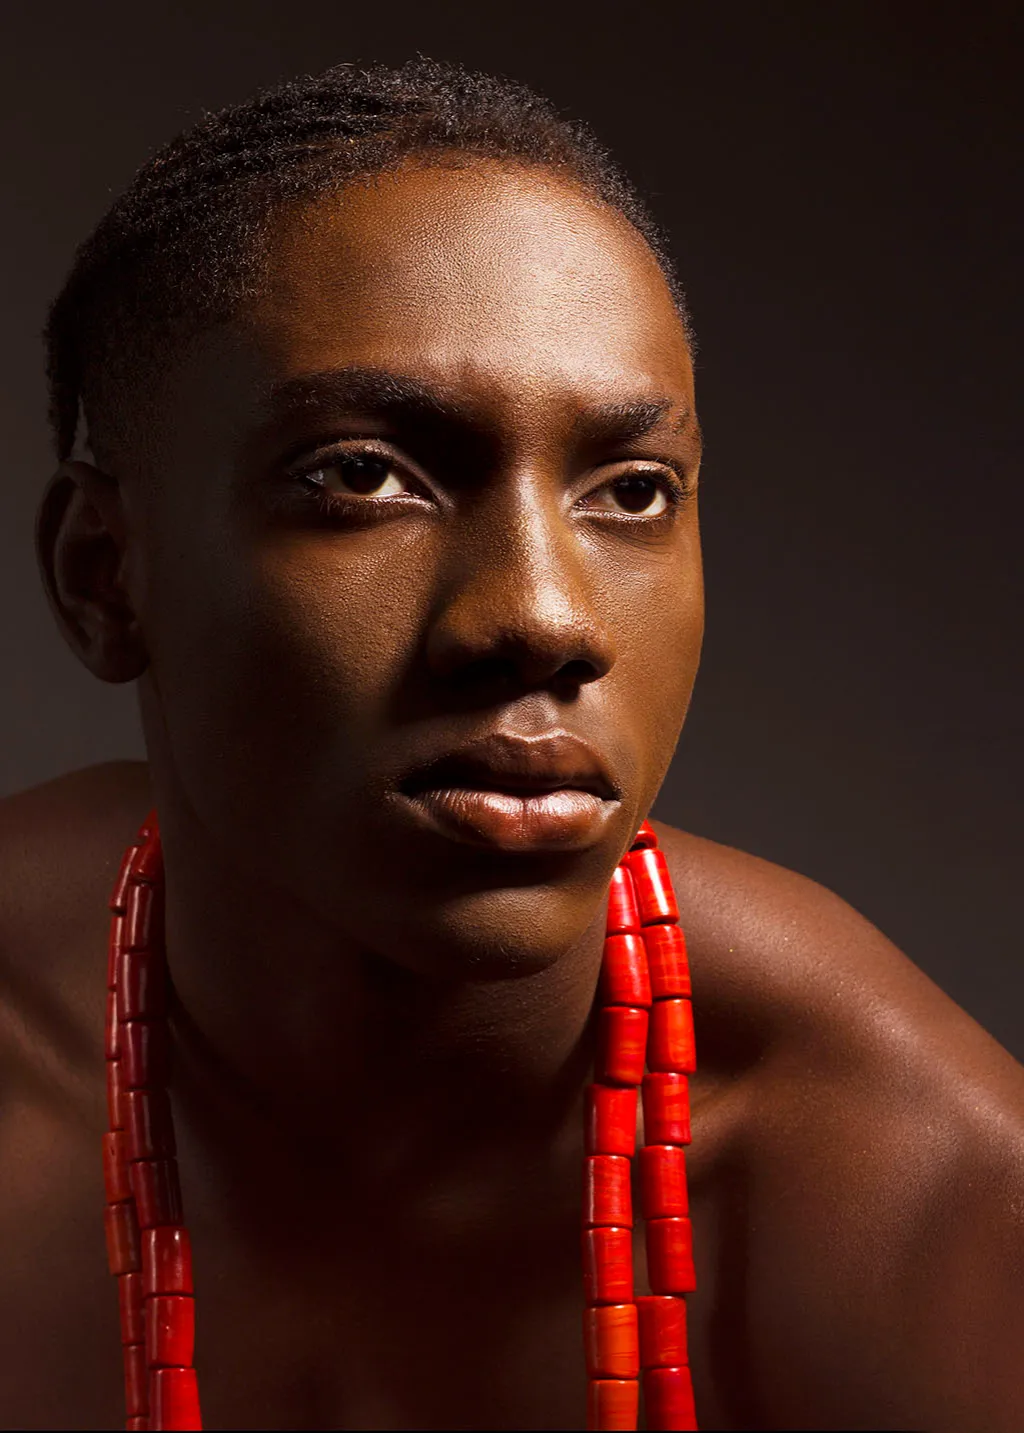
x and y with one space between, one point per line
564 820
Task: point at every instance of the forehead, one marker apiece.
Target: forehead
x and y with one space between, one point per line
510 285
509 269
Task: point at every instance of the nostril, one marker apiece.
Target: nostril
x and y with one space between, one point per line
503 677
489 672
569 678
510 647
579 671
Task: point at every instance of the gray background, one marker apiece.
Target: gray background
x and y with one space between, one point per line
841 184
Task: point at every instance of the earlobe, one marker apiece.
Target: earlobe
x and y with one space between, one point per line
81 543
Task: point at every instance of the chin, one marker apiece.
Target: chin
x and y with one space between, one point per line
485 935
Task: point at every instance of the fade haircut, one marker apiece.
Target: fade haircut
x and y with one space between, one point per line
182 248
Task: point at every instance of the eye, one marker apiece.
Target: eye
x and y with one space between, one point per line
638 494
358 475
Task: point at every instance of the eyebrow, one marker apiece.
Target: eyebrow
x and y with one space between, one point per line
627 422
374 391
381 393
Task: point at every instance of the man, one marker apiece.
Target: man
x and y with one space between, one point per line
389 505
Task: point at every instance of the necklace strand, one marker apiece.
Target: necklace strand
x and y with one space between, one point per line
644 1016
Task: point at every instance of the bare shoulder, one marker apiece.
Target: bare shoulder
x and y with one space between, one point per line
72 816
881 1157
57 839
60 845
795 974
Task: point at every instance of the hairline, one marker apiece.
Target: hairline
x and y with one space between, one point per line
278 198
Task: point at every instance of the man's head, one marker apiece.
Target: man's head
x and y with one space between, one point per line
398 521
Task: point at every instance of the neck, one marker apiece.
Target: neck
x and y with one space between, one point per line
290 1034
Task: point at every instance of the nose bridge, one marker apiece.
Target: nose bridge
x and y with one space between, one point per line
518 587
535 559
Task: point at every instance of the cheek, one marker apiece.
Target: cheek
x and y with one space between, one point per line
659 638
340 625
281 658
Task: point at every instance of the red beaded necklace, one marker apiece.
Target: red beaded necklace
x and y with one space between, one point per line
644 1015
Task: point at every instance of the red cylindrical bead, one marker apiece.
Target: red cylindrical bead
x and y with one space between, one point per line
115 947
662 1330
174 1398
670 1256
608 1266
130 1300
148 1124
667 962
644 838
621 1045
166 1260
662 1182
655 897
610 1119
112 1042
141 917
623 916
624 978
143 1053
611 1341
613 1403
671 1047
171 1330
147 862
115 1167
136 1425
666 1109
115 1095
122 1231
136 1381
141 985
668 1399
154 1183
607 1197
119 896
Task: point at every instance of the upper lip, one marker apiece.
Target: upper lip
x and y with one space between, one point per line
513 762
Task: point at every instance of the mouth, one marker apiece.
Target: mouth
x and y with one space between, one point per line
516 793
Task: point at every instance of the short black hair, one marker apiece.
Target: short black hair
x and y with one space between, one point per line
180 249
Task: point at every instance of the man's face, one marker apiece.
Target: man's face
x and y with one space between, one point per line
420 574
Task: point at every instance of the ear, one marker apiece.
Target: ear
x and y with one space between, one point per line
82 547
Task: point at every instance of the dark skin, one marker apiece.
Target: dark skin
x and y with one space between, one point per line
382 1028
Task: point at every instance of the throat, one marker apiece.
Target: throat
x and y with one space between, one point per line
386 1084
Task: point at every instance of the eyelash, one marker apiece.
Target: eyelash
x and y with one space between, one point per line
675 486
300 487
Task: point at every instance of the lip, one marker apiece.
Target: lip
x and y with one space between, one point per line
513 792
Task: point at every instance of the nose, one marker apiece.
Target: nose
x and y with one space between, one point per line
517 612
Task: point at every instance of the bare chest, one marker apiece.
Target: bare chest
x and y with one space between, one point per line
345 1321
